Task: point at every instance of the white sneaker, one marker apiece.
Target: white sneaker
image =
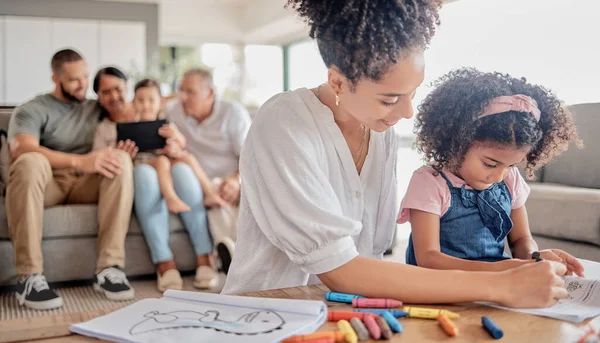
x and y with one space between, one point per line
206 278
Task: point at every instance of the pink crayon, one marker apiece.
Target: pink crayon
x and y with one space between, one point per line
376 303
372 326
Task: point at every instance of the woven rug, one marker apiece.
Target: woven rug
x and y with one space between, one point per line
85 299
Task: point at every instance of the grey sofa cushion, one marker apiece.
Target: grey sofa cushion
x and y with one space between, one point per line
77 221
563 212
575 167
75 258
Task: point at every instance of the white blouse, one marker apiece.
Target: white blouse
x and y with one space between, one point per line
305 210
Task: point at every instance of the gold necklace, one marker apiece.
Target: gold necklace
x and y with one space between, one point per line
357 155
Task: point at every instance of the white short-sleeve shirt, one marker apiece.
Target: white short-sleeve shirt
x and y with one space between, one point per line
217 141
305 210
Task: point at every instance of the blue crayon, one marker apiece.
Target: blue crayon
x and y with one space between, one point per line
392 321
379 311
341 297
492 328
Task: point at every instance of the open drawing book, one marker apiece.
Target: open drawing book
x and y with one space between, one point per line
583 301
181 316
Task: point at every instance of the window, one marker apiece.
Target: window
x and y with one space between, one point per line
305 68
264 74
550 42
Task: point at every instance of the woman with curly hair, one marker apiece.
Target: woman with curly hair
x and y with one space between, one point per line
474 128
318 170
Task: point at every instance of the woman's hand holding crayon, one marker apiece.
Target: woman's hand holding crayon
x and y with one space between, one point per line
532 285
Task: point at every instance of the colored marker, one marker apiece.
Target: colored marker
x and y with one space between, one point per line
341 297
334 316
376 303
360 329
372 326
392 322
447 325
337 337
428 313
379 311
346 328
386 332
491 327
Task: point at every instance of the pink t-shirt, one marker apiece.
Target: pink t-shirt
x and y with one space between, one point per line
429 193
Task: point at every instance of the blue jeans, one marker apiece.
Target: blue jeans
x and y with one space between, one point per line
153 215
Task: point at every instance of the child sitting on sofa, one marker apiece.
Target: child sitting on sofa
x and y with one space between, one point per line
474 129
147 105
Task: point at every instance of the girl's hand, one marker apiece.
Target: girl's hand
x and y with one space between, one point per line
129 147
532 285
168 130
557 255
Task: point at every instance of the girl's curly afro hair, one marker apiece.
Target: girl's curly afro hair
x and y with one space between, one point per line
447 121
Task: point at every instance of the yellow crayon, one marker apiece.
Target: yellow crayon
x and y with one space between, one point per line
349 334
428 313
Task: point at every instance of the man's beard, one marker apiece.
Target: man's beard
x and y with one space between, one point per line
68 95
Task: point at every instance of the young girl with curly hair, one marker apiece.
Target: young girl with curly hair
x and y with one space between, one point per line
474 129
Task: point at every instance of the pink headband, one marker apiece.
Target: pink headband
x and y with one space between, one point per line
517 102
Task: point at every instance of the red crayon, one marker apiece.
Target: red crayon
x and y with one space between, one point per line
372 326
375 303
334 316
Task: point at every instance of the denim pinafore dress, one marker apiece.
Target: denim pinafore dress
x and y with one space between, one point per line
475 225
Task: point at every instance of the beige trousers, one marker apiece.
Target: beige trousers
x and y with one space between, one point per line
33 185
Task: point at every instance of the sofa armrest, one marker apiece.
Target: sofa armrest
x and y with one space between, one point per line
564 212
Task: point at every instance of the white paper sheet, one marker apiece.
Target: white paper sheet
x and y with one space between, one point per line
202 317
583 301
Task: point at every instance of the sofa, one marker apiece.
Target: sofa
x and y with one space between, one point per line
564 204
69 241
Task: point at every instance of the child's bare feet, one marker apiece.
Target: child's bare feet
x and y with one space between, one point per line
176 205
214 200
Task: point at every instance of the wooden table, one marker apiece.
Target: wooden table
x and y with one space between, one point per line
517 327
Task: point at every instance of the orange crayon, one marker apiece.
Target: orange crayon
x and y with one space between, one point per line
375 303
447 325
320 340
334 316
336 336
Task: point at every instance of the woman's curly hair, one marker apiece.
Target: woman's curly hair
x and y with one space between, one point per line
447 121
364 38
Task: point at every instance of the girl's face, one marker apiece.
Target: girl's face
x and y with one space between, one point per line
487 163
147 103
380 105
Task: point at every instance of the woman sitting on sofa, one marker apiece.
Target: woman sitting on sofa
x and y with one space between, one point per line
149 204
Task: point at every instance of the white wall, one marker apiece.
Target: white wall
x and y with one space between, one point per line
29 44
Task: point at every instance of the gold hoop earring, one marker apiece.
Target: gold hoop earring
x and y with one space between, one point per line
337 100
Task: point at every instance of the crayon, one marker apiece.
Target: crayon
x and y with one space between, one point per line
386 332
320 340
428 313
341 297
447 325
379 311
360 329
393 323
536 256
491 327
372 326
337 336
375 303
346 328
334 316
